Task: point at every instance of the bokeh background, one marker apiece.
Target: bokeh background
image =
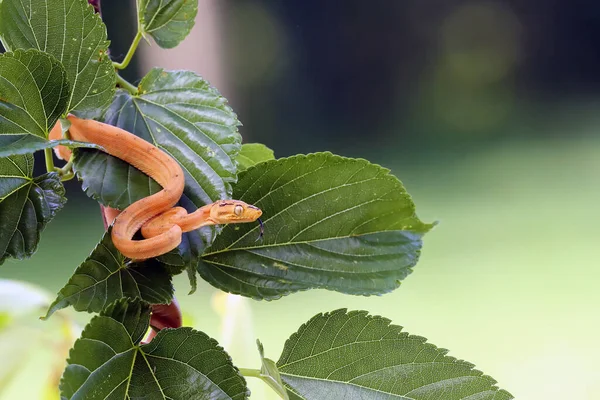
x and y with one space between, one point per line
486 110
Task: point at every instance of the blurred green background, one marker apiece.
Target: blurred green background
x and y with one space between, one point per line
486 110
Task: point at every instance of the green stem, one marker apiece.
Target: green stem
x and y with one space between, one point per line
68 176
255 373
49 160
136 40
66 172
126 85
69 165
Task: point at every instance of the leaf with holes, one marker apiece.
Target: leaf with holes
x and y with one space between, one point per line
75 35
109 362
253 153
167 21
27 204
351 355
330 222
106 276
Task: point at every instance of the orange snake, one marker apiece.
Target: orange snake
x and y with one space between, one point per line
161 223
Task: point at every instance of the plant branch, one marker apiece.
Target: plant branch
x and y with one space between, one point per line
255 373
49 160
126 85
136 40
66 172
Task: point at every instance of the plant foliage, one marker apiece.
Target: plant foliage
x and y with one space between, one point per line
330 222
108 361
352 355
27 204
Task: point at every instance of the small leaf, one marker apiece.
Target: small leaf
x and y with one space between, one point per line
351 355
108 362
105 277
330 222
75 35
26 205
253 153
193 277
34 92
167 21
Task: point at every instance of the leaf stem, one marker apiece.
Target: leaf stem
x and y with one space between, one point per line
136 40
255 373
126 85
68 176
66 172
49 160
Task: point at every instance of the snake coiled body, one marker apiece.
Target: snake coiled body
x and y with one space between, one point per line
162 224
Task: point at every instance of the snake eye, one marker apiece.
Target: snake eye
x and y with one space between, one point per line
237 210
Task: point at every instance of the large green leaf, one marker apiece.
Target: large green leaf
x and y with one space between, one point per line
351 355
330 222
167 21
34 92
253 153
75 35
108 362
183 115
27 204
105 277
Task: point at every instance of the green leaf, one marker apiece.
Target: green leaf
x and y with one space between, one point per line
110 180
246 283
26 205
167 21
105 277
75 35
108 362
181 114
193 277
253 153
34 92
330 222
351 355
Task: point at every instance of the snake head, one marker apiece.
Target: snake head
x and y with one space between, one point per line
234 211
